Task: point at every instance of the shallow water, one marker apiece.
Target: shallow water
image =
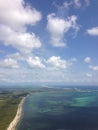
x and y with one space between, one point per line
60 110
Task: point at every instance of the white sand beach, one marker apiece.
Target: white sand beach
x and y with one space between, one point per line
17 117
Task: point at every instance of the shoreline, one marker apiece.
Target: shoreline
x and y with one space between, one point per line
12 125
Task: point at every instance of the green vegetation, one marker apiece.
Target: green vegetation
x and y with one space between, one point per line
9 101
8 108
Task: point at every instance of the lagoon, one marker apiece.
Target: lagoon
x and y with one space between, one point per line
60 110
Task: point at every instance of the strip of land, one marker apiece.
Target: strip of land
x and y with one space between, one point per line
13 124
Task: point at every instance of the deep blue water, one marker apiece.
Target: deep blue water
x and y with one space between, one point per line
60 110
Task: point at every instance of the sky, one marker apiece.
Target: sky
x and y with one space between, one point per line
49 42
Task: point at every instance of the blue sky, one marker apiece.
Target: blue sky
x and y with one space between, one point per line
49 41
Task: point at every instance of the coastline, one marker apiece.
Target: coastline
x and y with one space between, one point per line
16 119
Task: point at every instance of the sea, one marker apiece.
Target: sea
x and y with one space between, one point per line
61 109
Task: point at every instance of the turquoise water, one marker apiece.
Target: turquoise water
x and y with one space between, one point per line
60 110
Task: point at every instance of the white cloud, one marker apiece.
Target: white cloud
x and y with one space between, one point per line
58 62
57 27
93 67
88 75
35 62
16 14
87 60
9 63
93 31
87 2
18 56
81 3
77 3
22 41
73 59
67 4
55 70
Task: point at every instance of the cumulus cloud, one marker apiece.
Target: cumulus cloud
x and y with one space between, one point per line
93 31
53 69
87 2
87 60
17 56
67 4
77 3
93 67
57 27
58 62
88 75
9 63
16 14
73 60
22 41
35 62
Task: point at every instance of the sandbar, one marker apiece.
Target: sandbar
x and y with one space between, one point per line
17 118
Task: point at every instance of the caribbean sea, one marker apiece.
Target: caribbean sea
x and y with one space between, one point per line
61 109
